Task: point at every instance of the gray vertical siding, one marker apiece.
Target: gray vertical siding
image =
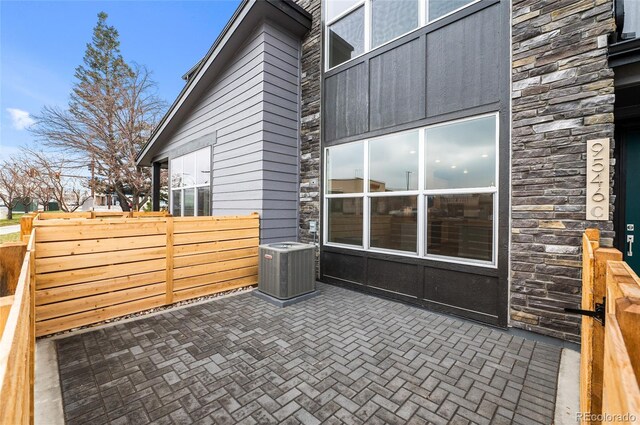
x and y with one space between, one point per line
464 63
346 100
252 107
397 85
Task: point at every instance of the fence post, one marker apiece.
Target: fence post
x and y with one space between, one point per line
26 224
32 317
169 285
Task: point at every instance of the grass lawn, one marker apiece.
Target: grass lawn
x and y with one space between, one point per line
10 237
14 220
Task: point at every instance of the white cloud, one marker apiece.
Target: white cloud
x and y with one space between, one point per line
20 119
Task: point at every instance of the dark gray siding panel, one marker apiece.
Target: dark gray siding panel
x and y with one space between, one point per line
463 63
397 85
346 97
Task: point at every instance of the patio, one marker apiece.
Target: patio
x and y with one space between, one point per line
341 357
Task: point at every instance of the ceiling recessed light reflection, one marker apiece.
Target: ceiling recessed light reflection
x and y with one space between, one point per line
453 166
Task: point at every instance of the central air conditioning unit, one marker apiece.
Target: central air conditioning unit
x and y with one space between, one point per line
286 272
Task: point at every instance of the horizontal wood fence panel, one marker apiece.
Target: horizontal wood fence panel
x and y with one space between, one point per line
212 236
46 327
65 308
69 277
47 265
69 292
212 257
216 277
63 215
213 267
93 269
90 246
51 234
39 222
198 226
206 247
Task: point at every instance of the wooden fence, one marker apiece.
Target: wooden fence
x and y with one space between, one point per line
610 354
17 344
91 270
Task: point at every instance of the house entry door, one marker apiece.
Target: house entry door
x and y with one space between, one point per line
632 200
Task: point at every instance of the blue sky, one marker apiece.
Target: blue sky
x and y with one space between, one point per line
42 42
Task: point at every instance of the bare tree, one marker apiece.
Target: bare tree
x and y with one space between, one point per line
55 178
15 185
111 113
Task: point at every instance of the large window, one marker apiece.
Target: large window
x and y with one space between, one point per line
191 184
430 192
357 26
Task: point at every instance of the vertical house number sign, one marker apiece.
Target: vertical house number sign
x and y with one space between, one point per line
598 179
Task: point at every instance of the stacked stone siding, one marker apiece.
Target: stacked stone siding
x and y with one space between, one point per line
563 95
310 124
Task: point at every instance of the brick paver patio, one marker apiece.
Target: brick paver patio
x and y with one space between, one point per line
341 357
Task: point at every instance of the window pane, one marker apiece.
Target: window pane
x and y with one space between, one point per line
393 163
336 7
188 202
203 166
438 8
346 37
177 198
394 223
631 28
392 18
204 201
189 170
176 172
345 168
345 220
460 226
461 155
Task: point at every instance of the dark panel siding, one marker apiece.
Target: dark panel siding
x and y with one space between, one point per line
343 267
346 103
463 290
397 85
394 276
463 63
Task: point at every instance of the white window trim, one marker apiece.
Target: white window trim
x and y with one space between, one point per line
423 20
194 186
421 194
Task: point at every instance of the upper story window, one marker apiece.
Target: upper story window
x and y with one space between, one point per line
627 19
355 27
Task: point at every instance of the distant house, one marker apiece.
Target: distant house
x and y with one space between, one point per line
437 149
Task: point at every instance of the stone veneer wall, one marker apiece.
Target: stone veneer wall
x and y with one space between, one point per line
310 124
563 95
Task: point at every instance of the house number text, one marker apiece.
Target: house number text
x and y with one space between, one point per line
598 179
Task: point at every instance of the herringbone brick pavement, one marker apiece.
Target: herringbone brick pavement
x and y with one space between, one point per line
341 357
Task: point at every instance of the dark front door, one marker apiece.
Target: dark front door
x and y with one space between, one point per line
631 224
